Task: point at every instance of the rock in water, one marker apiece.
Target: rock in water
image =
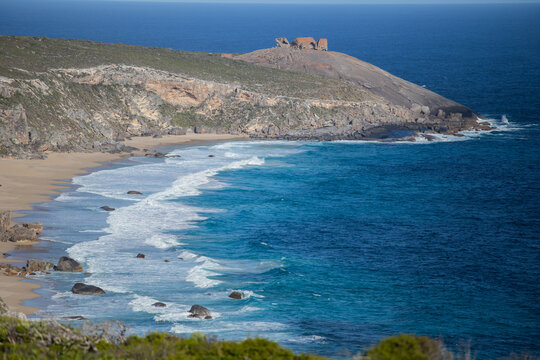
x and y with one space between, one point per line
159 304
38 265
133 192
68 264
77 317
83 289
200 312
140 256
107 208
236 295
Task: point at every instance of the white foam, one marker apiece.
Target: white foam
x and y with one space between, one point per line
162 241
200 275
220 326
187 255
308 339
246 294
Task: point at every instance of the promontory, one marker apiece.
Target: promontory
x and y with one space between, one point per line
75 95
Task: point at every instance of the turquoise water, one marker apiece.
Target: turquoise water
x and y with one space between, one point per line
334 245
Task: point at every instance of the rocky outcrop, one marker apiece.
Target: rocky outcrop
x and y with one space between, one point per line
303 43
134 192
5 220
107 208
34 265
159 304
416 103
200 312
282 42
84 289
322 44
67 264
18 232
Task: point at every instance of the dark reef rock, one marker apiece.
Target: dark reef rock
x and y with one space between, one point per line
236 295
159 304
77 317
200 312
83 289
107 208
140 256
133 192
67 264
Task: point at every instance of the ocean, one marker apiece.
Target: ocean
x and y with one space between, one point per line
334 245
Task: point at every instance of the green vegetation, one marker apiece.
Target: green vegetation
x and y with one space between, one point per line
21 54
24 340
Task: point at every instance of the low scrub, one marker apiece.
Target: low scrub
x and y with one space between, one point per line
27 340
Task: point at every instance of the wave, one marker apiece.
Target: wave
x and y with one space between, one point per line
162 241
257 327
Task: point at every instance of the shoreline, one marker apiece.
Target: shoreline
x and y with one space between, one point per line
27 182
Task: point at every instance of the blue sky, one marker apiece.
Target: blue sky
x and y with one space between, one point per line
340 1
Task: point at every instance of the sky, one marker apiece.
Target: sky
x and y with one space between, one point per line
333 1
349 1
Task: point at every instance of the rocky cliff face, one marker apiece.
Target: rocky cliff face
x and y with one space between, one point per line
93 108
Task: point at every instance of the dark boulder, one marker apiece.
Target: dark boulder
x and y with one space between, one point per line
107 208
68 264
83 289
140 256
200 312
77 317
236 295
133 192
159 304
33 265
211 155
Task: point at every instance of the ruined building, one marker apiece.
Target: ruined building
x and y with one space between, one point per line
303 43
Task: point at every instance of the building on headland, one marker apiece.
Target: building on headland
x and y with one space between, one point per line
303 43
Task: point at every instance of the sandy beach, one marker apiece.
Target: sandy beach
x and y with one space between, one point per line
26 182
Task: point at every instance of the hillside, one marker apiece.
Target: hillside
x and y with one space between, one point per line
66 95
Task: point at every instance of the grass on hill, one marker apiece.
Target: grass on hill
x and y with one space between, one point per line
20 54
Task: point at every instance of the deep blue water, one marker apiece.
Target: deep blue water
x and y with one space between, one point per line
336 244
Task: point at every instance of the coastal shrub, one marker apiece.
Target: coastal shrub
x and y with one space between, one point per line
28 340
52 340
408 347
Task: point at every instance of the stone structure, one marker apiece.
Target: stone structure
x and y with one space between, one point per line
303 43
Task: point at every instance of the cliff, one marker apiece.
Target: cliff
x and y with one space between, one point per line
73 95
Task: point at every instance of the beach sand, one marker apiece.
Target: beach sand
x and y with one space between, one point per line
26 182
